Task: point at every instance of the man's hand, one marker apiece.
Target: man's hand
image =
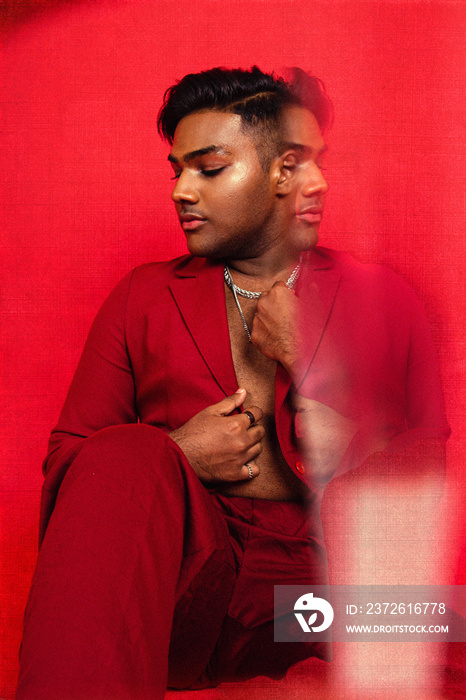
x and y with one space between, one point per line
274 329
219 445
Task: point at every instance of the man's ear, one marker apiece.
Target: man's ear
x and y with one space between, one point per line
284 172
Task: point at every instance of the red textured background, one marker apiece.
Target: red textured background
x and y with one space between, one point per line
86 190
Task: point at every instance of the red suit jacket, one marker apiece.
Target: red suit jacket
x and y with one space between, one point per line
159 352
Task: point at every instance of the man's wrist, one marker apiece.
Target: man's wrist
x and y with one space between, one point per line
290 364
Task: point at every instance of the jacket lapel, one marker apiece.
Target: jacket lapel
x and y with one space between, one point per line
199 294
317 287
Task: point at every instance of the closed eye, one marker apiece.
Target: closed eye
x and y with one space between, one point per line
206 173
212 173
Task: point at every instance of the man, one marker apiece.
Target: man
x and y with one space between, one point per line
366 371
174 514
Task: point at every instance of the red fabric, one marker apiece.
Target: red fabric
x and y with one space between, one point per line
369 356
86 195
151 356
134 541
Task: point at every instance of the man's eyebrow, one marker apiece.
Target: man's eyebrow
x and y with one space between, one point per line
304 149
192 155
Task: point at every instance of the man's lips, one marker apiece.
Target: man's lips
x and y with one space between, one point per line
191 222
311 214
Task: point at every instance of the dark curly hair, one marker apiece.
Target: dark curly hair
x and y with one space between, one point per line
309 92
257 97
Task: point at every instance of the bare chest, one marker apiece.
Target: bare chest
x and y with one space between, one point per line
254 371
256 374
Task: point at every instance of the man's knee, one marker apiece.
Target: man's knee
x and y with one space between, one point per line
128 466
136 455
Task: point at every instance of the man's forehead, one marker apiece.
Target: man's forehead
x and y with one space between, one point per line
300 127
219 149
205 132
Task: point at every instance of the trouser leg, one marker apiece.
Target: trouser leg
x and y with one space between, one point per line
131 530
275 543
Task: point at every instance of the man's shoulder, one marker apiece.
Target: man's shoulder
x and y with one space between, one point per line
352 269
168 269
151 283
344 262
364 283
161 273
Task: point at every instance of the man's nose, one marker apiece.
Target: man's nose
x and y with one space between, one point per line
314 181
184 190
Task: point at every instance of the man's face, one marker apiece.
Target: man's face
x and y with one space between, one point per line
224 199
301 130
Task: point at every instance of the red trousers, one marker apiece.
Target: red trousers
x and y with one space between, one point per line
145 578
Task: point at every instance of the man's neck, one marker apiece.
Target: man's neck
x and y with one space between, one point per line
259 274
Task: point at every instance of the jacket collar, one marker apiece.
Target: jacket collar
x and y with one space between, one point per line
200 296
317 287
199 293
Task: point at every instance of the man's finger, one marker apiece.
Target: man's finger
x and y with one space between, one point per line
228 404
253 437
253 414
249 471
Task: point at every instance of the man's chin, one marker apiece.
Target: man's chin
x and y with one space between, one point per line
305 237
195 247
203 251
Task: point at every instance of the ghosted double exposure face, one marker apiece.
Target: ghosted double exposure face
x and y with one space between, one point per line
302 135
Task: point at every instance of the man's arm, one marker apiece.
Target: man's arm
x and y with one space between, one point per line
323 432
334 442
103 394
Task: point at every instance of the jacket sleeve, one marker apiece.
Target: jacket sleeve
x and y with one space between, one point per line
420 447
102 392
389 371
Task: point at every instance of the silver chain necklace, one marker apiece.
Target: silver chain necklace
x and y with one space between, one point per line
253 295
